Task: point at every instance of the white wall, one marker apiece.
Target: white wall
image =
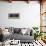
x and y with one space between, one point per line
29 14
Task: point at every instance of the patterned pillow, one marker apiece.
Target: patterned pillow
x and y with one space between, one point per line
11 30
17 30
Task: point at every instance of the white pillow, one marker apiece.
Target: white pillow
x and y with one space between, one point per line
23 31
5 32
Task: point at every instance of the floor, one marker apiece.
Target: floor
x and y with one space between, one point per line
35 43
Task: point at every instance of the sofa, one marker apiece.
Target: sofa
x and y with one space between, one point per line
22 34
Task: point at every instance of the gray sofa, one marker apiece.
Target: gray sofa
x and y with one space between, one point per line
17 35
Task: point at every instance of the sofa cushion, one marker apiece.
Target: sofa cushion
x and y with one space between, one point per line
22 38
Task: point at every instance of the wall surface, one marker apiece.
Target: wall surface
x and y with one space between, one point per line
29 14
